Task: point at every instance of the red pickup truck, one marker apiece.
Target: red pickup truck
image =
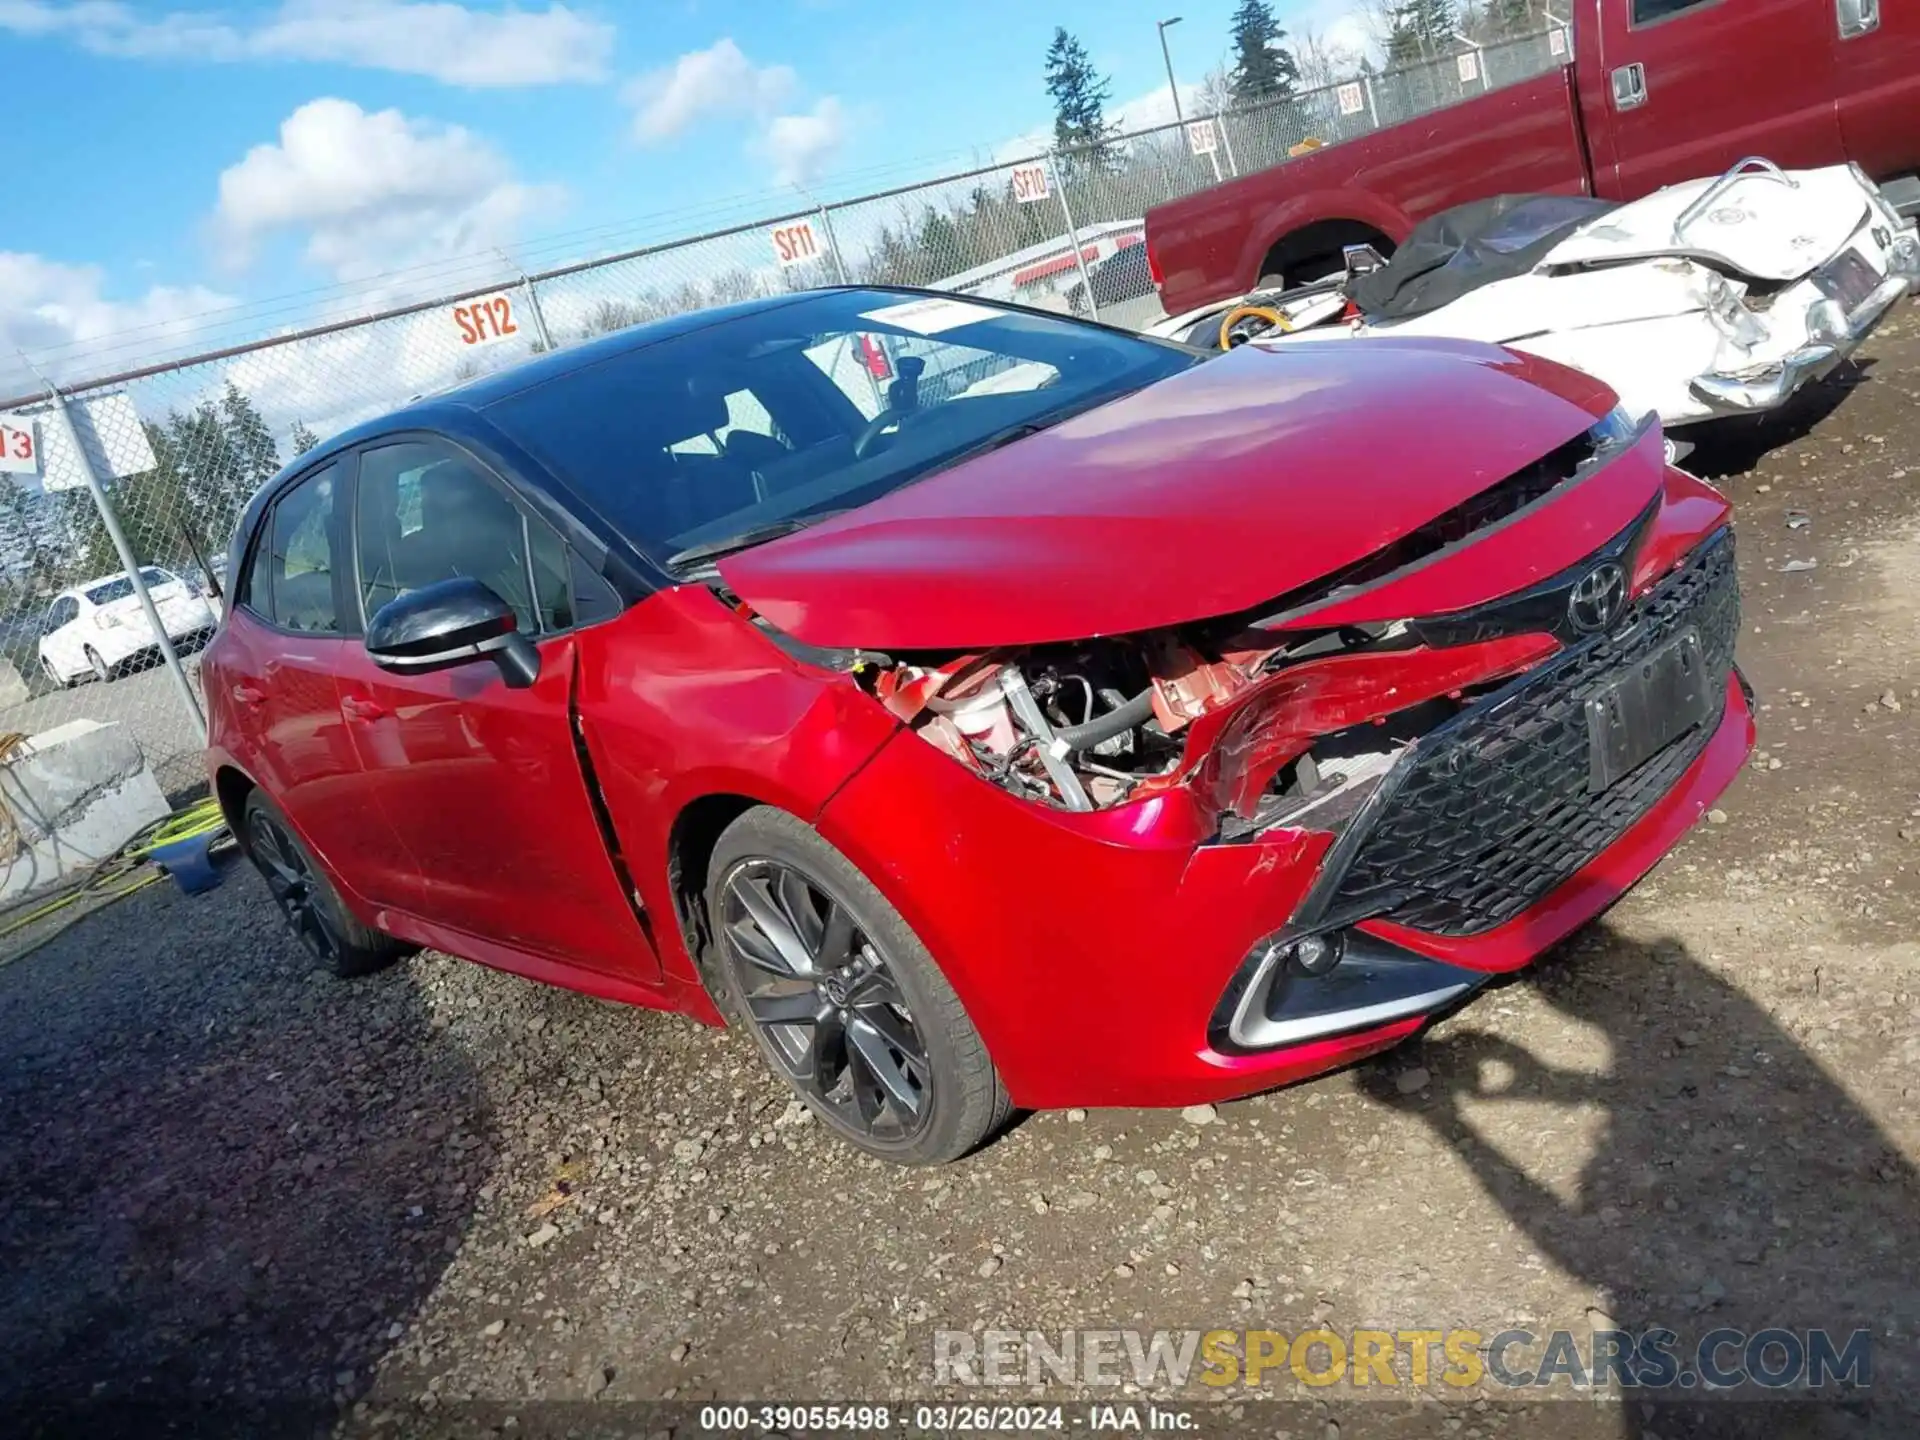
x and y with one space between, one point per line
1657 91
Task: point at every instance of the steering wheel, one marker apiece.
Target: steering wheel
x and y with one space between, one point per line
891 418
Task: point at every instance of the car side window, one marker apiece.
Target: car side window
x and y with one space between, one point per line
299 558
425 512
1645 12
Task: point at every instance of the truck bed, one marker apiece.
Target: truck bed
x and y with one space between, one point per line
1522 138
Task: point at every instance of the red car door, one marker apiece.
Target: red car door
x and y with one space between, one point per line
479 784
1877 55
1691 86
276 671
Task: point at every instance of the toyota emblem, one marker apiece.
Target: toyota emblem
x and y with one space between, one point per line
1598 599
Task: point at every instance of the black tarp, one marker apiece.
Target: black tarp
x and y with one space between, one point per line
1466 247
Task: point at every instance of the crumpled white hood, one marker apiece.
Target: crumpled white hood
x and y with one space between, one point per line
1756 226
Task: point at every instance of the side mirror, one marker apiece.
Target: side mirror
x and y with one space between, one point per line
451 622
1361 259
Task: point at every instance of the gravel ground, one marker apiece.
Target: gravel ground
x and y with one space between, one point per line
447 1200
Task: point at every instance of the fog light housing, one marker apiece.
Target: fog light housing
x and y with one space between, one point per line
1316 954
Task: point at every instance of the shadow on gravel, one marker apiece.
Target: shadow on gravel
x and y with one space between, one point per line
1734 1184
224 1177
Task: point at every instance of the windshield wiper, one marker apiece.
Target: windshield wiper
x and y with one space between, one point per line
743 539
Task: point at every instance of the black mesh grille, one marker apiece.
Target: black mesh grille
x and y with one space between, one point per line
1493 809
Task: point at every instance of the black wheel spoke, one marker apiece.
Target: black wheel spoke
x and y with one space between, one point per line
766 913
877 1055
893 1030
827 1055
836 939
802 1007
757 950
873 987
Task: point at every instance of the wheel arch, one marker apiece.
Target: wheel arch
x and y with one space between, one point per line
1316 241
231 787
691 839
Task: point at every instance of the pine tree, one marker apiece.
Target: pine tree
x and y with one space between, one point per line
1262 68
303 439
1079 97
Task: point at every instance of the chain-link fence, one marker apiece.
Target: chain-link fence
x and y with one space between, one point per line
118 497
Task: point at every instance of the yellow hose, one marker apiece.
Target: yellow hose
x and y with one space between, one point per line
201 819
1251 312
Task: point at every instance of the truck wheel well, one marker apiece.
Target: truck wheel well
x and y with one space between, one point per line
1314 250
696 830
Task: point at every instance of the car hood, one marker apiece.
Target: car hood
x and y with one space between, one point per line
1758 225
1208 493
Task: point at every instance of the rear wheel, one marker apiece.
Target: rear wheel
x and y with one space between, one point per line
842 998
312 908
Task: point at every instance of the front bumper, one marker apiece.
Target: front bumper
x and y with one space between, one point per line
1746 392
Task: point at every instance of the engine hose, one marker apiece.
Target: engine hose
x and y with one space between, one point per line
1104 727
1250 312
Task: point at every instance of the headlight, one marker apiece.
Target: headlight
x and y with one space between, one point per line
1613 432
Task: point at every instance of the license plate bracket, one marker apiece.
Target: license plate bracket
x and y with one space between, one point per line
1848 279
1664 694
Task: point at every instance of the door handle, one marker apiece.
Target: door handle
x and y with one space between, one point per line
247 695
358 707
1630 84
1857 17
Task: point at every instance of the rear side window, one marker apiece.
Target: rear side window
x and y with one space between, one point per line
1645 12
299 559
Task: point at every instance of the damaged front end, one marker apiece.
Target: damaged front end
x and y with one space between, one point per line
1445 771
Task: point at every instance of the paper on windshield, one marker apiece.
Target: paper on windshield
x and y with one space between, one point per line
930 317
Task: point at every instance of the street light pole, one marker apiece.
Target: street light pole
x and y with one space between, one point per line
1167 55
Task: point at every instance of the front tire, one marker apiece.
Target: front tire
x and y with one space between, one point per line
842 998
315 914
102 671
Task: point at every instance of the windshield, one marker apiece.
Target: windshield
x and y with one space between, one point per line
764 422
120 586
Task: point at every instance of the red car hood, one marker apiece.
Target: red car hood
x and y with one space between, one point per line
1208 493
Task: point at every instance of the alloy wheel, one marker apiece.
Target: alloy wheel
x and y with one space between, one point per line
821 993
292 883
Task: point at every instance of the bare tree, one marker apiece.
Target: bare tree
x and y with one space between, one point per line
1322 62
1215 95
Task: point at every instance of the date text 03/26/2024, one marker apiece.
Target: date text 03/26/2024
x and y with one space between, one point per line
944 1418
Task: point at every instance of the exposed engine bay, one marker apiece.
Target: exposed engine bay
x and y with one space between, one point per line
1090 726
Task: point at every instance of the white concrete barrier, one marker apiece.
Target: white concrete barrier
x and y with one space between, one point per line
75 794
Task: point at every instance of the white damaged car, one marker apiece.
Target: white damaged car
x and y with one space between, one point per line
1712 298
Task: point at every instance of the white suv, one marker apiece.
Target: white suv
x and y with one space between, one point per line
98 626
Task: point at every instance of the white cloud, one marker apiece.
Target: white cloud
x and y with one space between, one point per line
60 315
436 38
373 192
719 80
801 146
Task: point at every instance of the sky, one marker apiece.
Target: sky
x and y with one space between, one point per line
309 158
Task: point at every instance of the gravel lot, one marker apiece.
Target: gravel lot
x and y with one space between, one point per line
447 1200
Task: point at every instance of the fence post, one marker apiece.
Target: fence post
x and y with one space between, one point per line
1073 234
1366 84
537 315
127 559
1226 141
826 226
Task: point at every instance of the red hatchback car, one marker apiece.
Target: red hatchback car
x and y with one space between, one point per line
983 707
